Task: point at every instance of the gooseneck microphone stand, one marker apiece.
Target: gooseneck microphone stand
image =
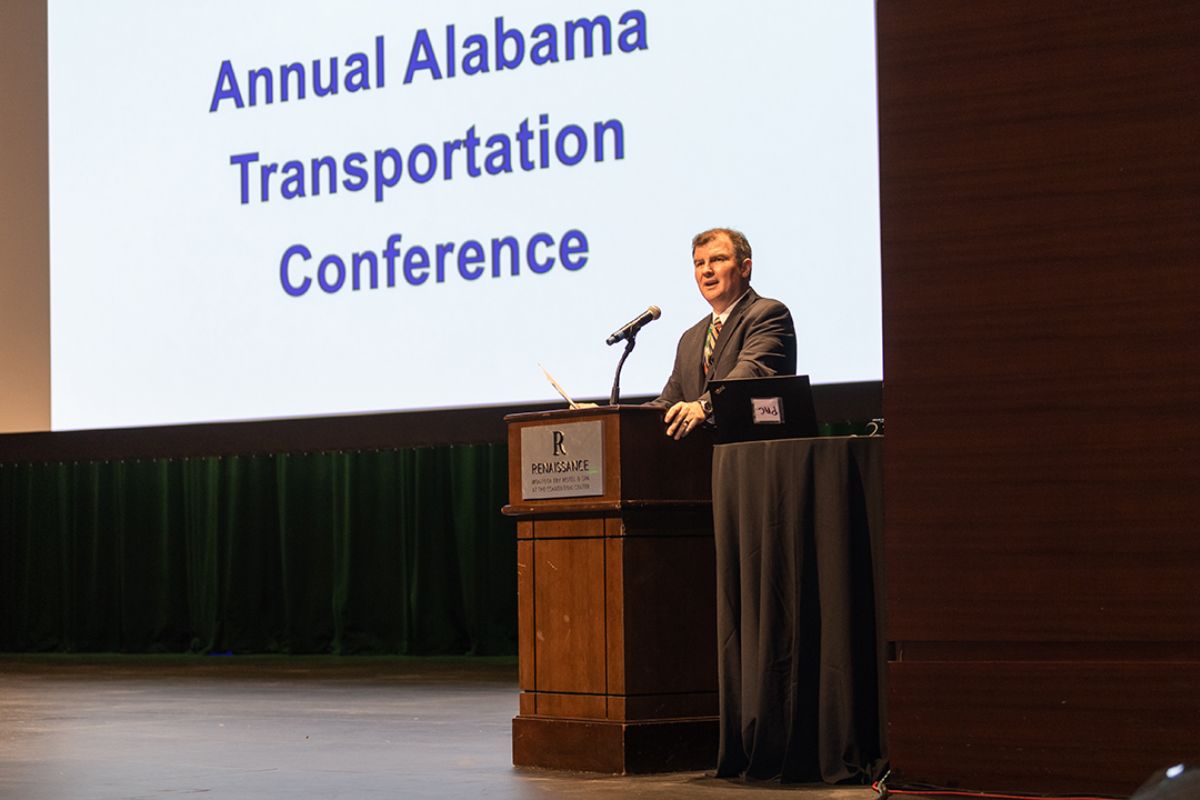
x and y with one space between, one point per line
615 397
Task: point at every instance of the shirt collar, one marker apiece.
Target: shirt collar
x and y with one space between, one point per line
723 317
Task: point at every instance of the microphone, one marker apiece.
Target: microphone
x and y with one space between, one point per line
630 329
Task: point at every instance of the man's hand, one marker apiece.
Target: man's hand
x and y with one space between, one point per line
682 418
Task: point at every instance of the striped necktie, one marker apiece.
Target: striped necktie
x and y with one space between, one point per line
710 344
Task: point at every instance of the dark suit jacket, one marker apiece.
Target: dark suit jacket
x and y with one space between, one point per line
757 340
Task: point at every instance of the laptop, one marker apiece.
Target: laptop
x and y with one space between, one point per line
753 409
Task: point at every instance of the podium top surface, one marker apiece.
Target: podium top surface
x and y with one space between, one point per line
581 413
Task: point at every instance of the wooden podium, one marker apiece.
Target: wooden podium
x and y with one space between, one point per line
616 592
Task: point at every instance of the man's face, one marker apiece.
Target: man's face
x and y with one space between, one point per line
718 274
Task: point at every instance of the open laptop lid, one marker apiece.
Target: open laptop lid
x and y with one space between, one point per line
752 409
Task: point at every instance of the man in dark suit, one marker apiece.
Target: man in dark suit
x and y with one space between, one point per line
746 336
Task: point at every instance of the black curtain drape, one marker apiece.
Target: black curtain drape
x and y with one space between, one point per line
394 551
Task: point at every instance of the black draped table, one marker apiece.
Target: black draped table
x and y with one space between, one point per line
798 526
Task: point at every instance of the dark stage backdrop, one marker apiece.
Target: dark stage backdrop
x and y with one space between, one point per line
389 551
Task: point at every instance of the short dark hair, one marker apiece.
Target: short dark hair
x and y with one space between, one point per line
741 246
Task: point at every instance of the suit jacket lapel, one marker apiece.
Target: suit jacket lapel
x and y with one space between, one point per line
696 347
730 327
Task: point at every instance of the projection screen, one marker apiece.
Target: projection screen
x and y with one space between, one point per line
266 210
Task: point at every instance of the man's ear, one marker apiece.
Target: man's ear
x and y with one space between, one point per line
745 270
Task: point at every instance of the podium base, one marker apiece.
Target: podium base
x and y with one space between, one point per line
621 748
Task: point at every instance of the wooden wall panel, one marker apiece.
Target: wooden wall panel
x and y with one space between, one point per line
1041 197
24 219
1037 727
1040 205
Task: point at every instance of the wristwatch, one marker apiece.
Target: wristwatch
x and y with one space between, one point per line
706 407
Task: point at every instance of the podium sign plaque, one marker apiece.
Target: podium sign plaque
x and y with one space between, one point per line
565 460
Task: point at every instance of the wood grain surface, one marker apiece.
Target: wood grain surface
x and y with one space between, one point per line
1040 206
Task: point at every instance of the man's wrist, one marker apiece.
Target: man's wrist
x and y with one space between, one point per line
706 407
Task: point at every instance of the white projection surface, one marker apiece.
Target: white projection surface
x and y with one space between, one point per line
238 234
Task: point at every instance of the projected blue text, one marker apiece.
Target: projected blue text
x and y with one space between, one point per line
532 144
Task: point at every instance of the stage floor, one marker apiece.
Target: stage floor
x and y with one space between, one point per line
74 727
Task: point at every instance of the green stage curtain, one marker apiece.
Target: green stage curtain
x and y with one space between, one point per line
393 551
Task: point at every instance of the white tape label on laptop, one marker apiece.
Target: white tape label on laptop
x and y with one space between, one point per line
767 410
